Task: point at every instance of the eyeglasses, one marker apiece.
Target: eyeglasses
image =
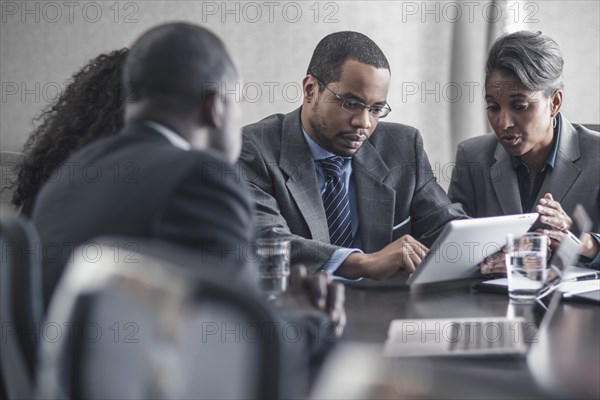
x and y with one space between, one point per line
356 107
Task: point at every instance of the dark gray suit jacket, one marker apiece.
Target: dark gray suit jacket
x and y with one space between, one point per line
485 183
138 184
397 193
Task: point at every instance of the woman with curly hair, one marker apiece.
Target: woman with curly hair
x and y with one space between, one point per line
90 108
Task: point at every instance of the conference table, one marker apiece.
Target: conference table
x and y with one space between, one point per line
565 363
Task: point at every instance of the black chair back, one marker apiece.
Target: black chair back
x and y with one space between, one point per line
21 306
592 127
151 328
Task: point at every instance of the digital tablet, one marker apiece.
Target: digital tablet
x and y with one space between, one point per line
463 244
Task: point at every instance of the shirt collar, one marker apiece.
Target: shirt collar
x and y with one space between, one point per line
170 135
551 160
318 153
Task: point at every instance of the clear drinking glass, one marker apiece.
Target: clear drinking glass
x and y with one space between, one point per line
274 266
526 267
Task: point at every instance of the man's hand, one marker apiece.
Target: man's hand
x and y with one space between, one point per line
494 264
552 214
401 256
315 295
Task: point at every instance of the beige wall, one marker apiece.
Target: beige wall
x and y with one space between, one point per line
273 50
575 25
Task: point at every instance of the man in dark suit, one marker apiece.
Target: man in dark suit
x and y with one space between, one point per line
169 175
333 154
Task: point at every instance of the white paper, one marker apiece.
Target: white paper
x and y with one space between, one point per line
568 288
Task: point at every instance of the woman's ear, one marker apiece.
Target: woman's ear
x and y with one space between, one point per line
556 102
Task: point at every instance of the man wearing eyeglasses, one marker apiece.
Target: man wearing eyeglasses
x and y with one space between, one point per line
357 198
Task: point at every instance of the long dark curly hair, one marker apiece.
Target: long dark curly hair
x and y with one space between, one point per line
90 107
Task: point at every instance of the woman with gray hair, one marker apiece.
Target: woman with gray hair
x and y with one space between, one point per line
536 160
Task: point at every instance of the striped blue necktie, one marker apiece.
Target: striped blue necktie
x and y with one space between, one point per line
335 200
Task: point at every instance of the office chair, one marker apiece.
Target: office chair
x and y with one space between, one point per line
9 168
593 127
145 327
21 304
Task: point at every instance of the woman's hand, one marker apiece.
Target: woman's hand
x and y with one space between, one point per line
552 214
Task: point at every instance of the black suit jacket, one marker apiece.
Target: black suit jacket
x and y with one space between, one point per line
138 184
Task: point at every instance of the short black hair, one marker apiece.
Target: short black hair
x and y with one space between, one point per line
533 57
336 48
176 59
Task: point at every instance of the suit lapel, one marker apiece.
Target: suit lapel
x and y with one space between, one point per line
559 181
296 162
375 199
505 183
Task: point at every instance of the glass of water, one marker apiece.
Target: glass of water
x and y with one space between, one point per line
526 267
274 266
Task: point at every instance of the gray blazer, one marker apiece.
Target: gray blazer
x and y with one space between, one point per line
484 181
397 193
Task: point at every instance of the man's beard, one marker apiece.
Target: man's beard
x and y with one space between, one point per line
319 127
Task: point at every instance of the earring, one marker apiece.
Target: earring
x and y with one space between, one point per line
554 122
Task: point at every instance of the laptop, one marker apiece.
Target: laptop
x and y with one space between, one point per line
463 244
467 337
501 336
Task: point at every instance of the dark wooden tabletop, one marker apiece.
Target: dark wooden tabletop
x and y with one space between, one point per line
569 364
